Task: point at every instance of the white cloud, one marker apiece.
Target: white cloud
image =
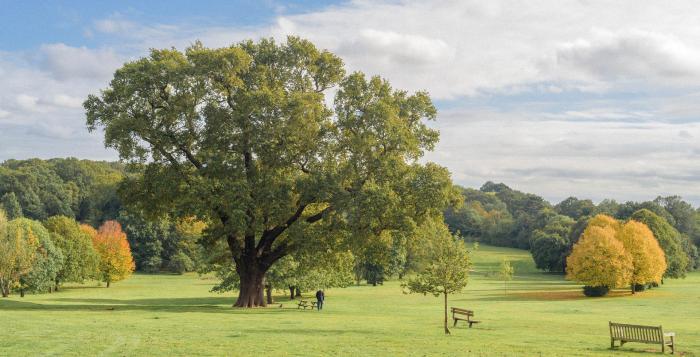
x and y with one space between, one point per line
27 102
71 63
631 55
557 97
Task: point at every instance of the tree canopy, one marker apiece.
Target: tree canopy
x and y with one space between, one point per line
242 137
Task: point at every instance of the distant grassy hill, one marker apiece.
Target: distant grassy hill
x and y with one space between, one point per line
169 315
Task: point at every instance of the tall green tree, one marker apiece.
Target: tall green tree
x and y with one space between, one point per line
11 205
81 259
242 137
550 244
447 273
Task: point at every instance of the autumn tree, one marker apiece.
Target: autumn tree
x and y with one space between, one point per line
599 259
80 258
447 273
116 262
648 260
48 259
242 137
18 250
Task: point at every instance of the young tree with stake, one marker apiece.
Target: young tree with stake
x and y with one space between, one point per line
448 271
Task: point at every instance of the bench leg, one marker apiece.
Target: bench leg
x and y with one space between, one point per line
612 343
455 324
470 324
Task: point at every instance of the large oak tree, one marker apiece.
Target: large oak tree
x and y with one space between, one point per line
245 137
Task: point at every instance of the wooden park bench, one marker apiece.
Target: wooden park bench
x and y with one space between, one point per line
464 315
305 304
644 334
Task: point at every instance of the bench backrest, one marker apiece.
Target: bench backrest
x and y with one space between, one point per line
638 333
456 310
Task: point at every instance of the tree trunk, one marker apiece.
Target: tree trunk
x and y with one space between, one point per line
298 292
291 293
633 289
55 288
3 288
107 283
447 330
21 292
268 292
251 293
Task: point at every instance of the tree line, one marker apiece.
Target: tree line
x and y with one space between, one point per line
496 214
39 257
87 191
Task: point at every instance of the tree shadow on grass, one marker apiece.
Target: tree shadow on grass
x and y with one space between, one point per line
204 304
548 295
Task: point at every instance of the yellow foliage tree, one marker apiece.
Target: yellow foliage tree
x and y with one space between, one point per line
648 259
601 220
18 250
116 262
599 259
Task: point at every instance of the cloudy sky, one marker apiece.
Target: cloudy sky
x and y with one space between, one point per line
596 99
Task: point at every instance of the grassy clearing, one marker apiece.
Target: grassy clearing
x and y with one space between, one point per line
166 315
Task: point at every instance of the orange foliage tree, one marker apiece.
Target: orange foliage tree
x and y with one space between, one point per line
648 259
116 262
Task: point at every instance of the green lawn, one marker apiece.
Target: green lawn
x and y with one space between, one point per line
166 315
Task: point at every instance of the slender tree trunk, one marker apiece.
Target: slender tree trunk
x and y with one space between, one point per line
447 330
268 293
634 289
55 288
21 292
107 283
298 292
291 293
3 289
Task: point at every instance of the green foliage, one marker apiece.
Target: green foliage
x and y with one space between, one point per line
48 260
550 244
241 137
447 272
180 263
11 205
81 258
155 243
81 189
670 241
575 208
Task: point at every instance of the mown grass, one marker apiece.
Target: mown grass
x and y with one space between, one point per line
167 315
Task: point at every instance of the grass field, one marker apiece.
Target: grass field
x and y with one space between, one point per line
167 315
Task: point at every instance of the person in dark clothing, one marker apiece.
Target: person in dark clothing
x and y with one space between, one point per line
320 296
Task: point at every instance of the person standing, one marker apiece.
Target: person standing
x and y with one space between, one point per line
320 296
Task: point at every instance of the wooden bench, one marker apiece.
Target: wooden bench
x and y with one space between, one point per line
639 333
464 315
305 304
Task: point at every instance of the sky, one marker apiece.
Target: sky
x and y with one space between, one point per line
595 99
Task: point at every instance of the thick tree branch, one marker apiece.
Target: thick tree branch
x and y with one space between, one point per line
269 236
